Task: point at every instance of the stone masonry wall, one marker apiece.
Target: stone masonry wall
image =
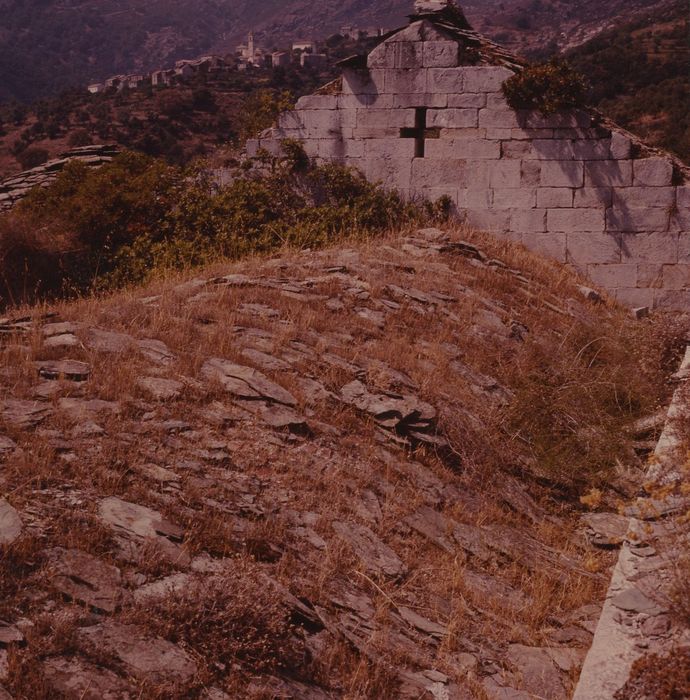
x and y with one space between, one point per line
569 186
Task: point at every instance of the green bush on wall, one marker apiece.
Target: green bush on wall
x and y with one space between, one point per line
548 87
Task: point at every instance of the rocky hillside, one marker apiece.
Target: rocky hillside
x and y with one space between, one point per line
354 473
62 43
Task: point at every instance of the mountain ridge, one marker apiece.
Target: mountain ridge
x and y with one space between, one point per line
65 43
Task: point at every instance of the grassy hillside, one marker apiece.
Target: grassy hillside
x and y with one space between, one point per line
639 76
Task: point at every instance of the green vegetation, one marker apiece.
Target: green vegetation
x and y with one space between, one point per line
547 87
95 230
639 76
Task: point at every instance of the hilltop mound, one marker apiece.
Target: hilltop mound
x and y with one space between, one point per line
352 473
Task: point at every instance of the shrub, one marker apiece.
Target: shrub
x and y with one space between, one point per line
31 157
548 87
119 224
80 137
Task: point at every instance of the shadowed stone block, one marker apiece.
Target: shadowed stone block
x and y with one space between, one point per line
552 149
637 197
562 120
427 99
609 173
676 276
628 219
659 247
475 199
502 118
559 173
593 197
621 146
364 82
653 172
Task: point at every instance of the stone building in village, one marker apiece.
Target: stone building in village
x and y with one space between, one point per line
425 113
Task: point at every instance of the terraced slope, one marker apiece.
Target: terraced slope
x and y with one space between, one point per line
353 473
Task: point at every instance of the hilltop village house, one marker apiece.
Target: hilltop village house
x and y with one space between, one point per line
425 113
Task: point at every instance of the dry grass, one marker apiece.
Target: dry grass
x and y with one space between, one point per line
577 377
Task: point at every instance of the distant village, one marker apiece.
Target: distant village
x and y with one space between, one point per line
248 56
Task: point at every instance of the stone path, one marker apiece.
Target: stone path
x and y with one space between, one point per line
636 619
283 431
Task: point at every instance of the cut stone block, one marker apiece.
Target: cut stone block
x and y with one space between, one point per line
676 276
528 220
593 247
452 118
472 100
613 276
427 172
576 220
653 172
552 149
515 198
554 198
440 54
468 148
486 78
407 81
383 118
505 174
448 80
552 245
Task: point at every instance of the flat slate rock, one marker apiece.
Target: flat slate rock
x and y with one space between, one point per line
138 521
23 414
161 389
156 351
162 588
246 382
84 409
72 370
606 529
145 657
634 601
10 523
108 341
9 634
538 673
7 446
75 678
86 579
375 555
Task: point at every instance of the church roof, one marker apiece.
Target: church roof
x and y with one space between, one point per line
450 21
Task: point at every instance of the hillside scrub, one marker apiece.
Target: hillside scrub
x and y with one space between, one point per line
102 229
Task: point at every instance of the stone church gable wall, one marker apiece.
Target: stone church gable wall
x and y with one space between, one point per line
571 185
